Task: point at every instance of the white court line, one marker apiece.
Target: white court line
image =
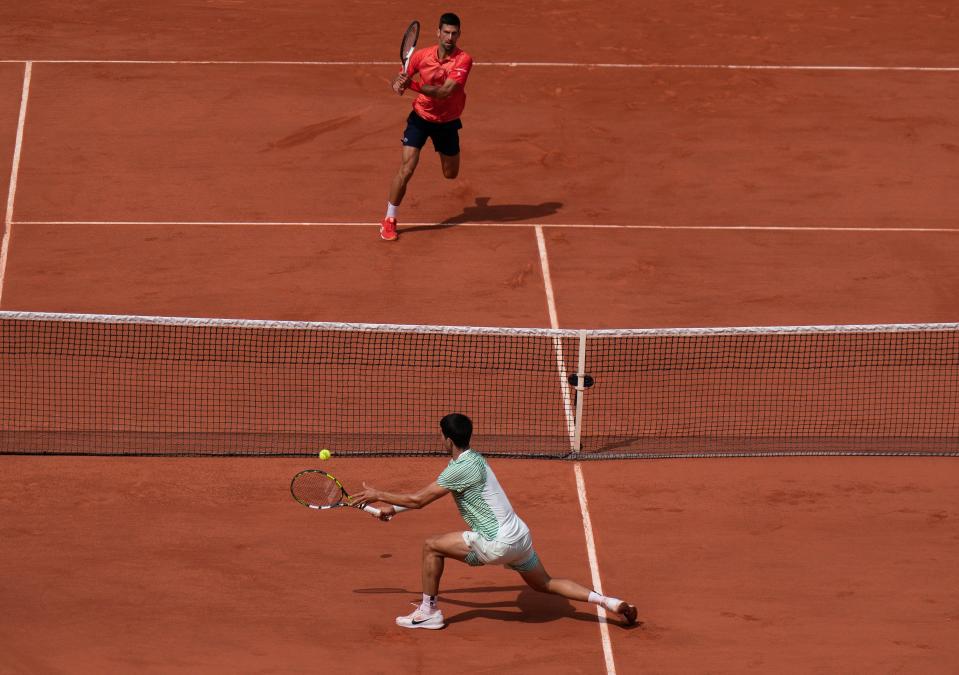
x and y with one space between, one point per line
568 411
580 483
547 280
594 567
14 174
518 64
584 226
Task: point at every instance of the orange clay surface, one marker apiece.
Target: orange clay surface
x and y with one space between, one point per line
207 565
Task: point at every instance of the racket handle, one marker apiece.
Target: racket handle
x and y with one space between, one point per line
372 510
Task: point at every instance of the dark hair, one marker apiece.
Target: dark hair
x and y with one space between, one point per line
458 429
449 19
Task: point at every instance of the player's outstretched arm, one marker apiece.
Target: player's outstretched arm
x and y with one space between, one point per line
416 500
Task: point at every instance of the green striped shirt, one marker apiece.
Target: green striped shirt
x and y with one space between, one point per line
480 499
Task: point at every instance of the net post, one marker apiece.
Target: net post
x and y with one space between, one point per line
580 388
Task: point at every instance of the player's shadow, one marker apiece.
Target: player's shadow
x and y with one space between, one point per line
529 607
484 212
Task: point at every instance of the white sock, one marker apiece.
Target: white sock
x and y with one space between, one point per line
612 604
391 209
429 603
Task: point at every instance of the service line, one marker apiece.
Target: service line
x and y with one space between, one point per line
522 64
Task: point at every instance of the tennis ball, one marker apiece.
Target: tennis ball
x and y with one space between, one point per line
324 454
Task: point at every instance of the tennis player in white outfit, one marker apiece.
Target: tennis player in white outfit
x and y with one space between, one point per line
497 536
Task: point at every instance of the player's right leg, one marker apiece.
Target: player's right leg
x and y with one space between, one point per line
410 158
414 138
537 579
436 550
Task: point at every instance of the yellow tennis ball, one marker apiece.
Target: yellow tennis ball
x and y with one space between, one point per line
324 454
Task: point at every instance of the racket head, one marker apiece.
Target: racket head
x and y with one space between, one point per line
317 489
408 45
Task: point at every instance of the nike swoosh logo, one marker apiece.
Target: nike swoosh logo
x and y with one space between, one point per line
416 623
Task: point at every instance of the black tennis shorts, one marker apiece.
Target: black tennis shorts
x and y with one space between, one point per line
445 135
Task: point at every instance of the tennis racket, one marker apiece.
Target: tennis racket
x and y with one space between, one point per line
408 45
317 489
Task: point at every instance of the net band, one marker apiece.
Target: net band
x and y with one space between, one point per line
93 384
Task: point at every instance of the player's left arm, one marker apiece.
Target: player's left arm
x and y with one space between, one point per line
415 500
436 90
457 78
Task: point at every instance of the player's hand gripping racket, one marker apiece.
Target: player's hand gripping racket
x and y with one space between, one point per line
408 45
317 489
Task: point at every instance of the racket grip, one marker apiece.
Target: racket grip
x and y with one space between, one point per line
372 510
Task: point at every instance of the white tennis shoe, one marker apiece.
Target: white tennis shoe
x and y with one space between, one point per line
420 619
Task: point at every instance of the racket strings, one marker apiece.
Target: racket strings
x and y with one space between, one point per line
409 40
317 488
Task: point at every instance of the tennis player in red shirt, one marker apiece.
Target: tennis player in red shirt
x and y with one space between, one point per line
436 111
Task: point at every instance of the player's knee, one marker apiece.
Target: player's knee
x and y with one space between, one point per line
429 545
538 583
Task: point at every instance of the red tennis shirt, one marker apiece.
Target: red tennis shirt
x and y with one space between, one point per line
432 70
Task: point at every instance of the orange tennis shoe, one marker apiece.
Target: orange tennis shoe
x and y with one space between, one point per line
388 229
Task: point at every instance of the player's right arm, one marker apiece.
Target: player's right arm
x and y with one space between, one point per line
401 83
416 500
403 79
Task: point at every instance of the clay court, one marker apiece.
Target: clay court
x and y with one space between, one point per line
666 165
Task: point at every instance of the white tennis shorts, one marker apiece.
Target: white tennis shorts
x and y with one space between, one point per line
518 556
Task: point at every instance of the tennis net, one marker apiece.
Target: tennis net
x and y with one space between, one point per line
90 384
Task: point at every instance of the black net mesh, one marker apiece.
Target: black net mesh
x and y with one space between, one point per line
124 385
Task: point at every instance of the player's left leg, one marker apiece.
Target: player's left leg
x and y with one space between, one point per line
446 140
451 165
536 578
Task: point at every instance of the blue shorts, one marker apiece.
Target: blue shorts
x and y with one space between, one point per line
445 135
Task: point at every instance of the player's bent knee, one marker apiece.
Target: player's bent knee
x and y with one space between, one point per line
451 166
539 586
433 545
538 582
